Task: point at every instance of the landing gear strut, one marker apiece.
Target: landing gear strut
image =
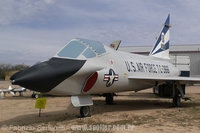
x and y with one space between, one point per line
109 98
84 111
177 101
178 94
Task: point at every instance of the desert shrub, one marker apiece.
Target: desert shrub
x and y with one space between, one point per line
5 68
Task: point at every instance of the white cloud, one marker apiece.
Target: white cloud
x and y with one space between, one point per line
49 1
38 29
21 11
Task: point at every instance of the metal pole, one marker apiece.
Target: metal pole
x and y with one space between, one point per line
39 111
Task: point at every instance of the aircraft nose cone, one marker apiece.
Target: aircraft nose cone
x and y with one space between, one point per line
37 78
45 76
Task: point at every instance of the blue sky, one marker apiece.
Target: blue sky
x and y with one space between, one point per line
34 30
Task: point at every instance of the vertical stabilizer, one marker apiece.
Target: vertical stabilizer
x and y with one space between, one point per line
161 47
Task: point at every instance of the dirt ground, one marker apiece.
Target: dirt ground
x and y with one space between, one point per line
132 112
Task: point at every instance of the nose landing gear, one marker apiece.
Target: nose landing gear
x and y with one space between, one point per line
84 111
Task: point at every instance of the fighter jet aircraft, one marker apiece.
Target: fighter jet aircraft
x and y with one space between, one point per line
85 67
12 91
9 90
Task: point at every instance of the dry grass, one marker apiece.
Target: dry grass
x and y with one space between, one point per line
145 113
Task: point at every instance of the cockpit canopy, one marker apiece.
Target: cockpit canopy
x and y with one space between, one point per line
81 49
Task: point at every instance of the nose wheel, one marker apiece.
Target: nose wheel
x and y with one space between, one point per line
84 111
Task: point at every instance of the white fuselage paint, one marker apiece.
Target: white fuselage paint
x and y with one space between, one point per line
123 64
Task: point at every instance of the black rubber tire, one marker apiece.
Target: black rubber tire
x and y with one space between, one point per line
109 99
177 101
84 111
33 95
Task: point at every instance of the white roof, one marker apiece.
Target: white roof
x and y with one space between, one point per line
172 48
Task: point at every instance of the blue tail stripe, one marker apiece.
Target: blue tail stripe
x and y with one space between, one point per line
165 29
167 22
160 50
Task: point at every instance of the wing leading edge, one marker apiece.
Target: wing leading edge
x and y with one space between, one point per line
180 79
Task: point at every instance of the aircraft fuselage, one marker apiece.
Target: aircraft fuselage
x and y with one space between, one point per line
112 72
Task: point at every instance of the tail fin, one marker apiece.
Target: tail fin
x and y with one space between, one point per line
161 47
115 44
